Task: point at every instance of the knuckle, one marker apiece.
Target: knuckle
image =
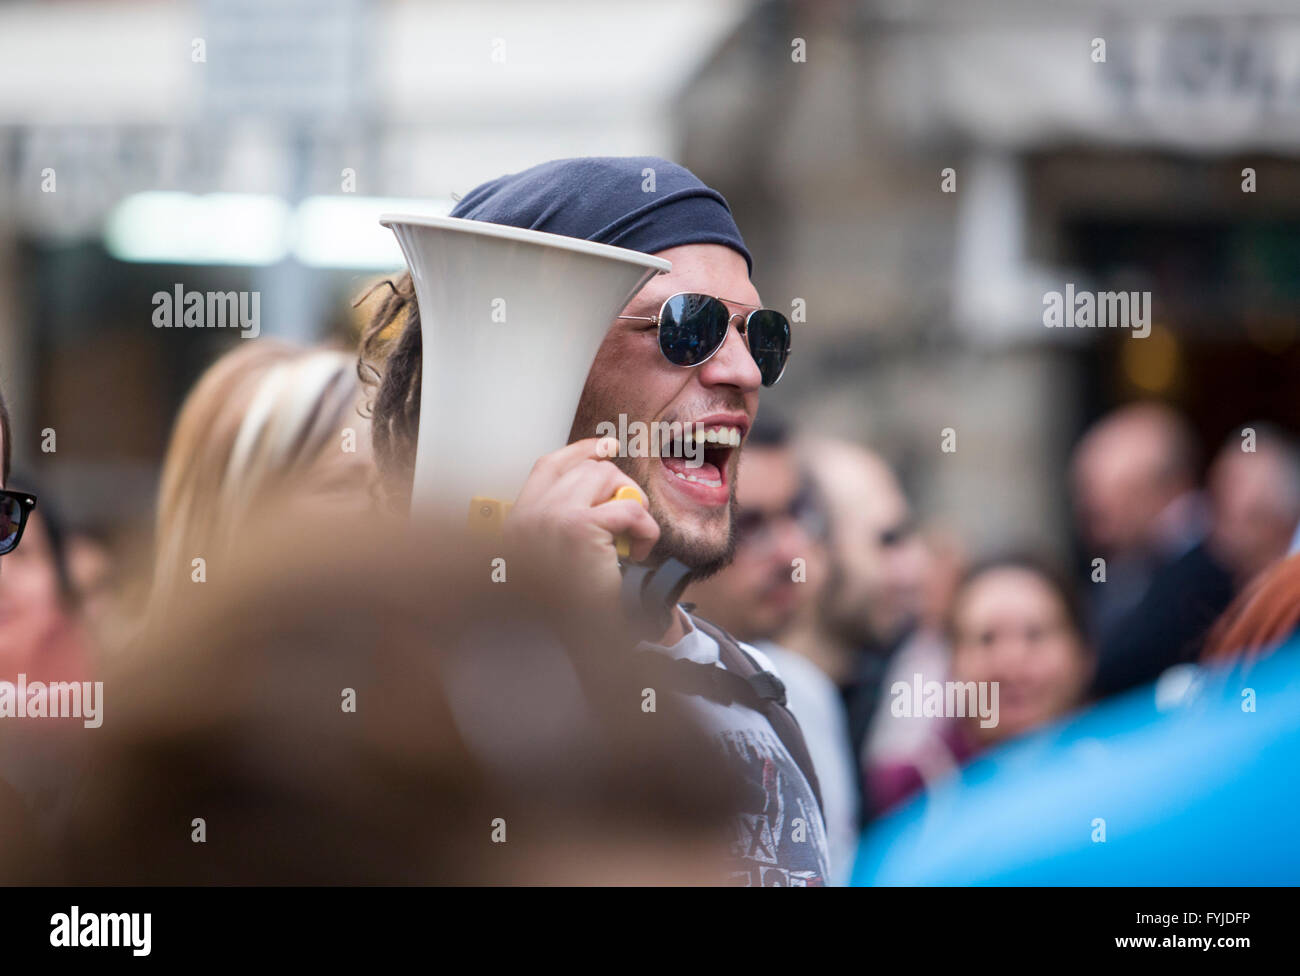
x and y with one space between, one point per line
542 465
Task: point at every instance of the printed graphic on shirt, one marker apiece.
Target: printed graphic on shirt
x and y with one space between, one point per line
779 838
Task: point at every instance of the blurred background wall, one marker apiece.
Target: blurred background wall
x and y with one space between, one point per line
242 145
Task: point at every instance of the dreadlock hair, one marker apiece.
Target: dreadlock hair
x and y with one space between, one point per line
389 368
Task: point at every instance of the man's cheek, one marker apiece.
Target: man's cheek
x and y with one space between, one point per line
638 469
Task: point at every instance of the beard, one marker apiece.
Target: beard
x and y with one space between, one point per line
702 554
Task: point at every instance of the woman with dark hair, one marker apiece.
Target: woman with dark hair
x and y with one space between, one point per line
1015 621
1017 640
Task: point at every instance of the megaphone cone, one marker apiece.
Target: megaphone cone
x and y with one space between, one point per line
510 322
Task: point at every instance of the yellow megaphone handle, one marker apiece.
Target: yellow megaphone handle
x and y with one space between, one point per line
487 514
622 544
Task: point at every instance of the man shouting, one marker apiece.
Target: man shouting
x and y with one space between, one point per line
693 348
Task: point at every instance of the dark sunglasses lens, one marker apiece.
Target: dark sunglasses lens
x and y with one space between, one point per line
11 518
769 342
691 328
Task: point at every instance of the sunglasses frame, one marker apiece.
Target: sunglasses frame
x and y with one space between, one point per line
804 509
743 328
26 502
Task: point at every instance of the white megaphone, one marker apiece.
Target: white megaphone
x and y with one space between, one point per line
510 322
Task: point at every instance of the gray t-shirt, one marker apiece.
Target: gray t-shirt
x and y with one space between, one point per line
779 839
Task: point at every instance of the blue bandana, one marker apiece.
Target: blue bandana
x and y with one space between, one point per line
603 199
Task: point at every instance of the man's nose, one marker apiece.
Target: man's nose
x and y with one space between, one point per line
733 364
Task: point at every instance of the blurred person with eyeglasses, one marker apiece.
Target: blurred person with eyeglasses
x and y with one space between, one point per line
14 822
778 567
20 751
866 626
43 642
40 633
15 506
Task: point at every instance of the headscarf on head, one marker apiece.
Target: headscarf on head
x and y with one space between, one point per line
604 199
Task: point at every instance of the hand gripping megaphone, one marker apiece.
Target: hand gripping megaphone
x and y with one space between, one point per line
510 322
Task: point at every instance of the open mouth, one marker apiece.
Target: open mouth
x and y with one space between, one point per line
697 460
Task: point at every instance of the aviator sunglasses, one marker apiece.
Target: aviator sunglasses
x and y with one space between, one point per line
15 506
693 327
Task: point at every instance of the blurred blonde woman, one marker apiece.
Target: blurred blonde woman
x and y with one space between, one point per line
268 423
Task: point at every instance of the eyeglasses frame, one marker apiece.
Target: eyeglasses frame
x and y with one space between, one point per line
27 502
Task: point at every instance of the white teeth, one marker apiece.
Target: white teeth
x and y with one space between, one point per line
699 481
728 436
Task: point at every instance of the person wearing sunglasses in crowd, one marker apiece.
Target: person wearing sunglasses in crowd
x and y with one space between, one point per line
18 833
40 629
15 506
778 571
694 347
869 621
43 637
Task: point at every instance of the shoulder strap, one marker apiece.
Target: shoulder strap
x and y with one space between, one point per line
771 700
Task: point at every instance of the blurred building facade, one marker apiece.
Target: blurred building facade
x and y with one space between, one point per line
925 308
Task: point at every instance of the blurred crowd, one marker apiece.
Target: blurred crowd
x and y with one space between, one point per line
1181 561
1174 569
